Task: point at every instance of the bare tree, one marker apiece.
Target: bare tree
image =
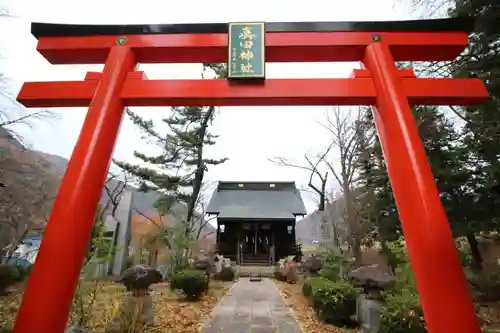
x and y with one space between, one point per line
26 198
317 184
166 226
340 159
347 136
202 217
13 114
114 188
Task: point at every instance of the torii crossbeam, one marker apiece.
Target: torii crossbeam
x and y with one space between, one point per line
378 45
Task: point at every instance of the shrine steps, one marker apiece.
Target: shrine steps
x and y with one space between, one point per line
256 260
263 271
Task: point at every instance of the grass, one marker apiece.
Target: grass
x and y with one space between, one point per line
172 313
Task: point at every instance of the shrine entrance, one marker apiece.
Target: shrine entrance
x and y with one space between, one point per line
247 47
256 220
256 241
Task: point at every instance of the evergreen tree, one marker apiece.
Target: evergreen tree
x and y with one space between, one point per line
177 171
481 132
450 163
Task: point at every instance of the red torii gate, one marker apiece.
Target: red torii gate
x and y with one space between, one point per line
443 289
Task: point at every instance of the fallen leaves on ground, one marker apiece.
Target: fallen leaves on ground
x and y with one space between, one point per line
489 315
9 305
177 315
173 314
292 293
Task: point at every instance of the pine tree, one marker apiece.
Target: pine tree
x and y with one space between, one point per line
448 161
475 204
177 172
481 131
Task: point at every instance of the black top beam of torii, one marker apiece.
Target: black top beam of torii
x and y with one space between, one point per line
463 24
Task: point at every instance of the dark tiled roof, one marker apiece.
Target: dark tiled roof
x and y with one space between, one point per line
444 24
256 200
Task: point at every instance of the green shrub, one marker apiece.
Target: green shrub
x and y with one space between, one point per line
9 275
226 274
24 272
193 283
307 288
402 313
335 302
312 284
397 254
334 264
334 268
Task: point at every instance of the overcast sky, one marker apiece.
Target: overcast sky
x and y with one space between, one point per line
248 135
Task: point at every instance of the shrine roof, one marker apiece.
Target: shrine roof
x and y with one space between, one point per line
463 24
256 200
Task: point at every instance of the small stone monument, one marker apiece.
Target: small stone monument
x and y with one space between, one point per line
292 275
373 279
137 307
283 267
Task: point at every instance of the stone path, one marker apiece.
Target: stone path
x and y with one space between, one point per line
252 307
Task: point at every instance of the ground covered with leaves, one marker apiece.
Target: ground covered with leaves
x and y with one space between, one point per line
292 293
173 314
489 316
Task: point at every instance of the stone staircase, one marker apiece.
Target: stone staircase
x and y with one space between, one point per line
263 271
256 260
256 265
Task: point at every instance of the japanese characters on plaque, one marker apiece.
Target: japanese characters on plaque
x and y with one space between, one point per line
246 51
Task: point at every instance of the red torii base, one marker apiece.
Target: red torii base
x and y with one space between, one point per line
441 283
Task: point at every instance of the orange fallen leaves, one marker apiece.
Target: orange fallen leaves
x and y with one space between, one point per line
489 316
172 313
292 293
175 315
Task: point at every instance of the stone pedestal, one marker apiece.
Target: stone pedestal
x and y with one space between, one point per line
368 313
135 313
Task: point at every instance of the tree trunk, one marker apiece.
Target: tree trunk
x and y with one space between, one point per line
153 258
477 258
352 222
356 252
200 168
15 244
386 251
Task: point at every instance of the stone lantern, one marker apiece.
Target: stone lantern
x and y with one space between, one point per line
137 307
373 279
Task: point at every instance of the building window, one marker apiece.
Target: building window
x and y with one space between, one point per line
241 185
222 228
